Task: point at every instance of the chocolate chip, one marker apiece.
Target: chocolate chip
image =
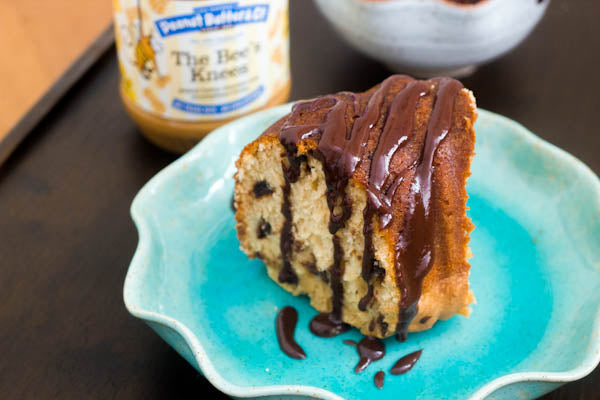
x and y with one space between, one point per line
382 324
262 188
424 319
264 228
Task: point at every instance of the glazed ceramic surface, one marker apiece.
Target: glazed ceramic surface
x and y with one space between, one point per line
535 273
433 37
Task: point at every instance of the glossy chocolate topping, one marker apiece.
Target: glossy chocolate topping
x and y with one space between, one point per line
414 253
406 363
371 128
369 349
285 325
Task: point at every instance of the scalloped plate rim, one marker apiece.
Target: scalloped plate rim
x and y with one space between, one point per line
587 365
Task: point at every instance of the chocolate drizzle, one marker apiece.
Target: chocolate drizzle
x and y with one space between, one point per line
415 250
369 349
291 173
285 324
343 134
333 132
287 273
406 363
396 131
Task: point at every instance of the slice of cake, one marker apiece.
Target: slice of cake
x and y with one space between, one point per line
359 201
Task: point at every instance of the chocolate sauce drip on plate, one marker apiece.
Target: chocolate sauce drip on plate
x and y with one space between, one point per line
369 349
406 363
350 342
285 324
379 379
324 325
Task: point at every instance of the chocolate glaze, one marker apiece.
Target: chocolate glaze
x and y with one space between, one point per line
406 363
379 379
396 131
369 349
285 324
414 252
342 136
325 325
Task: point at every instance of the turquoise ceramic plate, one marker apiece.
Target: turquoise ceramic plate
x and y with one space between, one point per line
535 273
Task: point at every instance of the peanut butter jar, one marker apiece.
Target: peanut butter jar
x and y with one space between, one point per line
190 66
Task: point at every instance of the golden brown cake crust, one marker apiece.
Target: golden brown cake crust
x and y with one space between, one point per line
443 290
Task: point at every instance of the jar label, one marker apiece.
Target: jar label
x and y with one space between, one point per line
200 60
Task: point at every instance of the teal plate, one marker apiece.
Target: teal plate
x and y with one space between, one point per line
535 273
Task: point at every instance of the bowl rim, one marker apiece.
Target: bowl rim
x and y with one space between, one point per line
141 255
447 5
450 3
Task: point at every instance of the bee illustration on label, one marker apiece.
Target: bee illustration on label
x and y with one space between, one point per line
145 53
145 57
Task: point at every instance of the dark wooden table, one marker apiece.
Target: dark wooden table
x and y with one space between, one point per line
66 238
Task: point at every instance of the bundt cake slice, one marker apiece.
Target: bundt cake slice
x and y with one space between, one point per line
359 201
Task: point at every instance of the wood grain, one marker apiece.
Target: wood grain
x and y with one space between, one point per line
66 237
39 40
